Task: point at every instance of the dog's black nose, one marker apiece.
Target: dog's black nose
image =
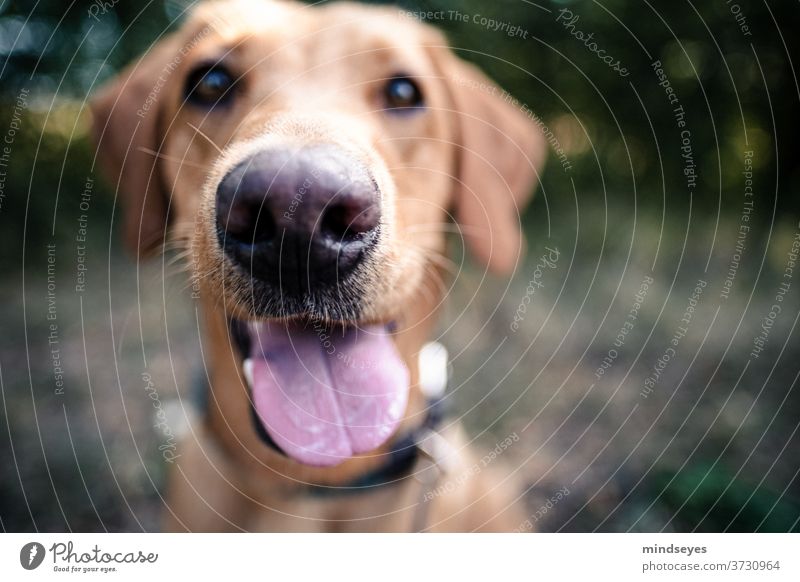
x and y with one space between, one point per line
298 218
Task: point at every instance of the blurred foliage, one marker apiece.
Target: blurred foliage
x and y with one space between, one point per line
708 498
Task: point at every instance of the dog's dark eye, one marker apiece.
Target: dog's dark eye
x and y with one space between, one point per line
402 94
210 85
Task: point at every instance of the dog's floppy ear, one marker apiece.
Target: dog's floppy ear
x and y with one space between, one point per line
500 153
125 126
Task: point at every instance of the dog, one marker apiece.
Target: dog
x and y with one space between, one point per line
312 161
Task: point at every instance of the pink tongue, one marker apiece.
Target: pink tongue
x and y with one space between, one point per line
324 395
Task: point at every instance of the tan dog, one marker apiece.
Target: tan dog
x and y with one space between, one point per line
309 159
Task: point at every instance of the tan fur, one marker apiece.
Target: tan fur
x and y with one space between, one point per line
312 75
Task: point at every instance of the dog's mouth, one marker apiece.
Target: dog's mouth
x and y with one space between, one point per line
322 393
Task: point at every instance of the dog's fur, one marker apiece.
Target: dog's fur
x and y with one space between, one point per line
311 75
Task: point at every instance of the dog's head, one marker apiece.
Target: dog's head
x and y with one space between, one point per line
312 159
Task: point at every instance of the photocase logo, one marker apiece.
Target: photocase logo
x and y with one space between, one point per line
31 555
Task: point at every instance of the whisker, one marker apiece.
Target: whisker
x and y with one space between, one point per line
208 139
169 158
440 259
443 227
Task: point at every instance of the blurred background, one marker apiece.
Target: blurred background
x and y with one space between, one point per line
638 220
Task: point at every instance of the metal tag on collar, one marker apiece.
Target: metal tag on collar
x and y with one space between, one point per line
433 376
433 372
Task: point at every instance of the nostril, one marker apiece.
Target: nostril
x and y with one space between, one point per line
345 221
248 223
336 223
264 227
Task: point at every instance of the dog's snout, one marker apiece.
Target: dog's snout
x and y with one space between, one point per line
299 217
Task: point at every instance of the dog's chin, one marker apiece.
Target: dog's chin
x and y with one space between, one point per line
322 390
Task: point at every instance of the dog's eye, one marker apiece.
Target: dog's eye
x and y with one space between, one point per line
402 94
210 85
